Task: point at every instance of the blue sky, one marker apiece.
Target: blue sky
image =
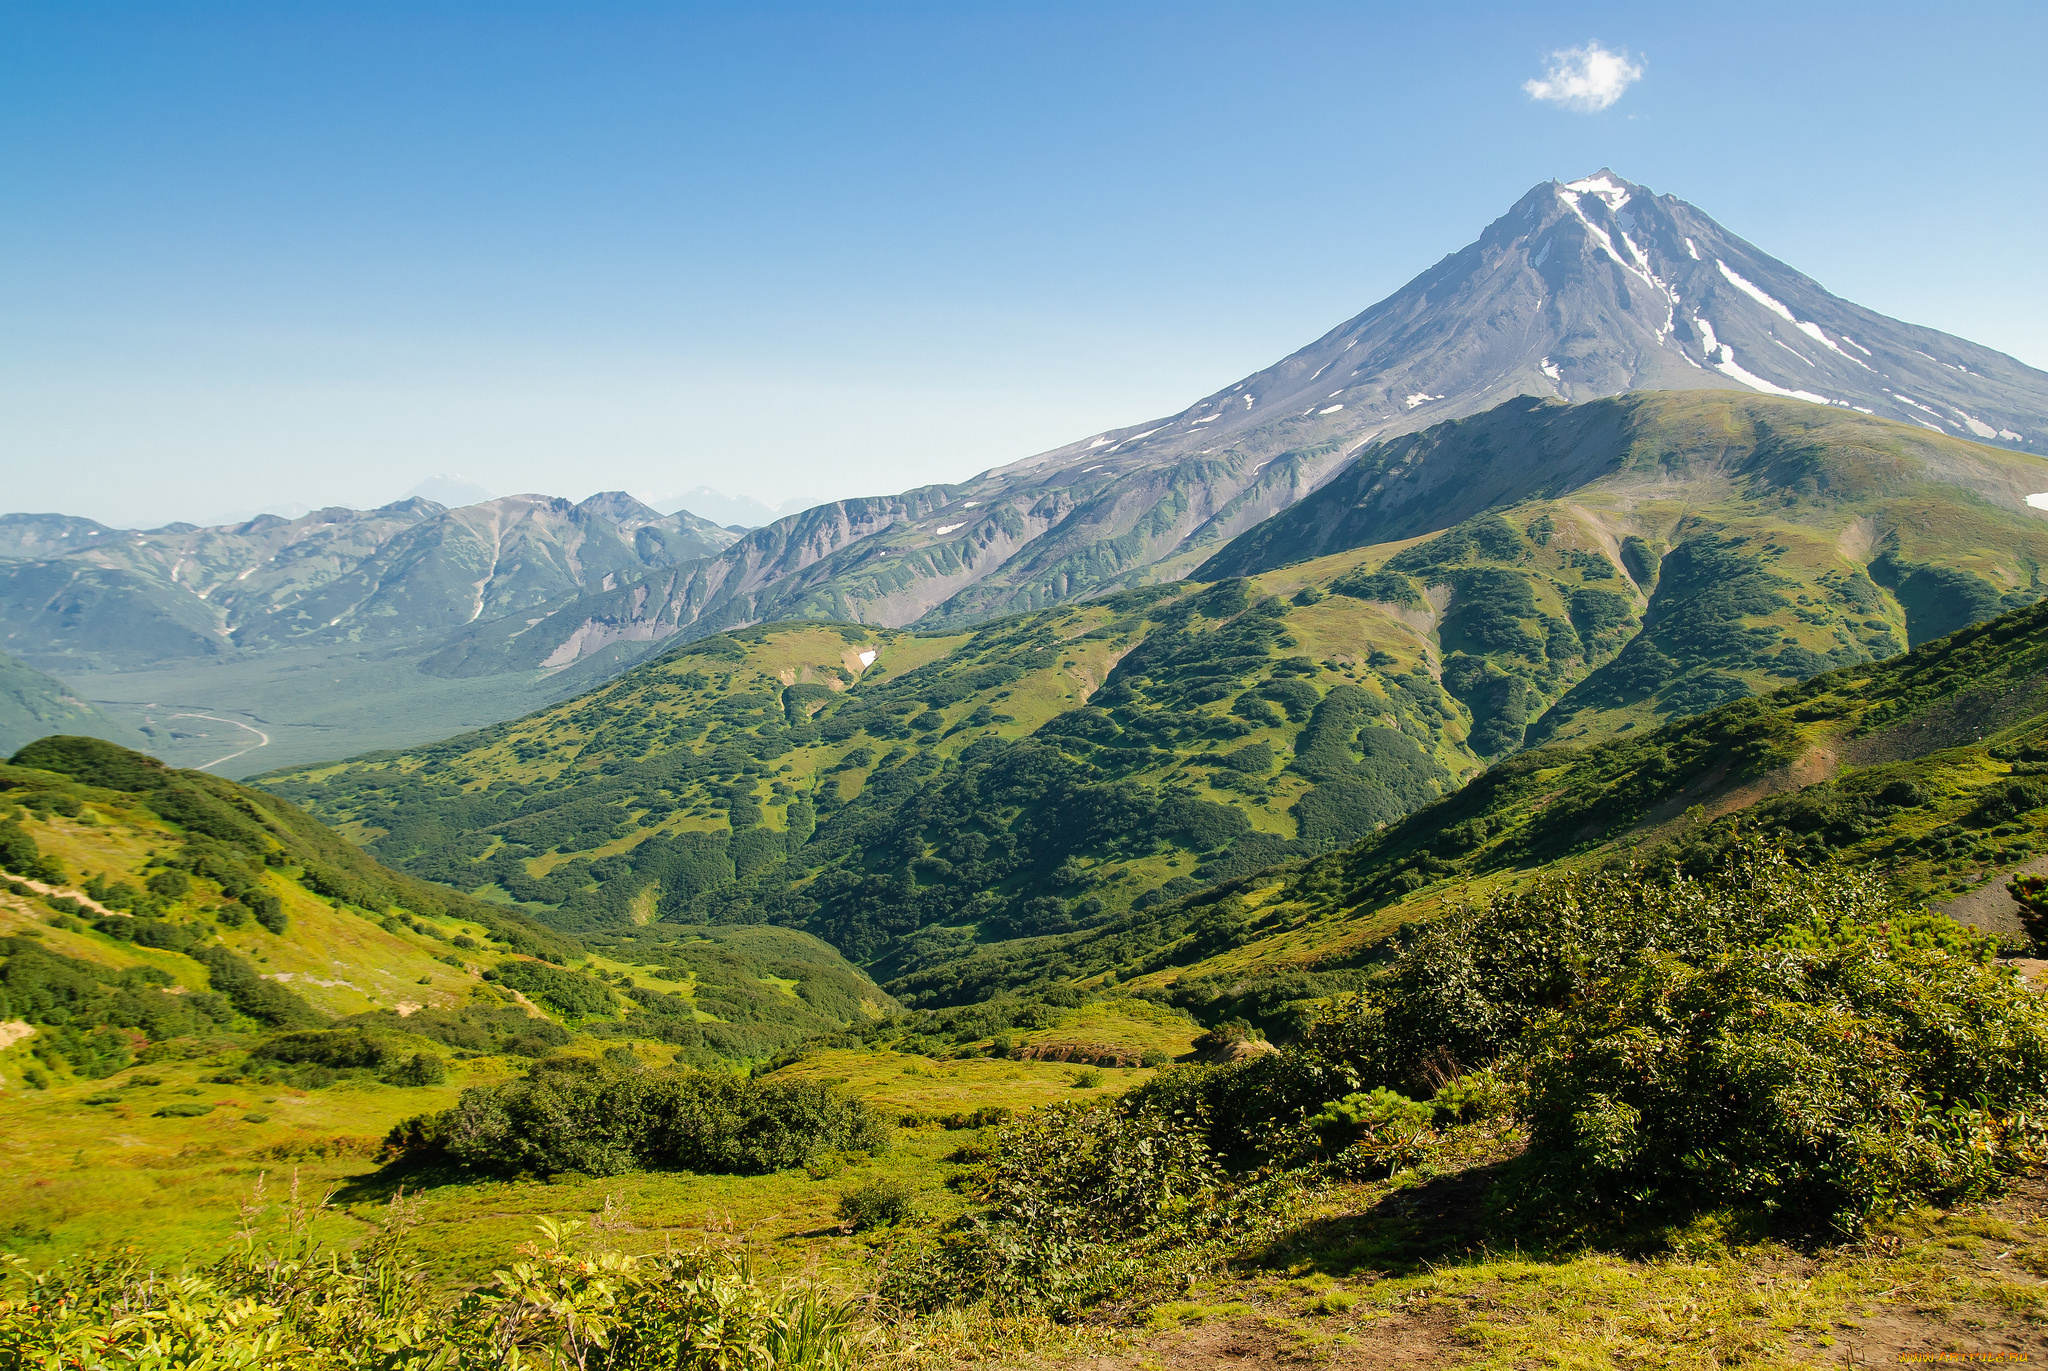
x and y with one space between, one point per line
263 255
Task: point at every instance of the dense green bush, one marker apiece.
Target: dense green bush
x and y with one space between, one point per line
421 1068
602 1119
75 999
1818 1085
565 992
1776 1036
267 1002
878 1203
19 854
1062 1192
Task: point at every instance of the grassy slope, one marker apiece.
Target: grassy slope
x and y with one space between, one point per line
601 811
1927 766
82 1175
90 1162
1726 547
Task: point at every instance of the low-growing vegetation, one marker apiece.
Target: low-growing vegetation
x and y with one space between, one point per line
284 1299
1790 1047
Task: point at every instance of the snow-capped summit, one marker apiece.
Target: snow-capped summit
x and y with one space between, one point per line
1584 288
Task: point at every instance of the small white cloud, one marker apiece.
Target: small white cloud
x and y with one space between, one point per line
1587 79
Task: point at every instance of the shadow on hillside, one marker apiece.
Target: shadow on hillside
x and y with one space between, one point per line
1446 1219
380 1185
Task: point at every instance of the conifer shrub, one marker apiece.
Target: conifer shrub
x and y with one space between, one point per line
877 1203
1785 1038
1364 1114
604 1119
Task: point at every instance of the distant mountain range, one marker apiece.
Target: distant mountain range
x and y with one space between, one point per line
71 589
1581 290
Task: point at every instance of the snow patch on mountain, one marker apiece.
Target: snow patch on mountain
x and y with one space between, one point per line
1615 196
1976 425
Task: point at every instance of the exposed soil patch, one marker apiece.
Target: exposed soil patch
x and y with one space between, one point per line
1402 1341
1952 723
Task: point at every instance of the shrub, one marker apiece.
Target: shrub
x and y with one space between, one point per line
1154 1058
1771 1035
1475 1096
268 909
1374 1131
1060 1191
342 1049
877 1204
1820 1086
579 1115
1227 1034
266 1002
171 884
1341 1123
422 1068
565 992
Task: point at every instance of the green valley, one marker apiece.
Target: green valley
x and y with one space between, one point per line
1264 953
919 799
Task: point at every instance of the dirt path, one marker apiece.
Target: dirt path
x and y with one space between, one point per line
1403 1342
44 888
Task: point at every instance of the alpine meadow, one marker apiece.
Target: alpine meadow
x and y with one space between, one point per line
1514 836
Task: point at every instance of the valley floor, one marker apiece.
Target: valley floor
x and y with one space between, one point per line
1386 1274
240 717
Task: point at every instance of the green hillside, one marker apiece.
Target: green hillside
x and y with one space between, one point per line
33 706
1930 769
953 783
129 876
914 799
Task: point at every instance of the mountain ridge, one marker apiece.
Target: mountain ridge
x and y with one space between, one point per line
333 576
1582 289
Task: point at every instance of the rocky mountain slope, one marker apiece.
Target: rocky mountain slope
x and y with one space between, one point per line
1580 290
917 798
74 591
